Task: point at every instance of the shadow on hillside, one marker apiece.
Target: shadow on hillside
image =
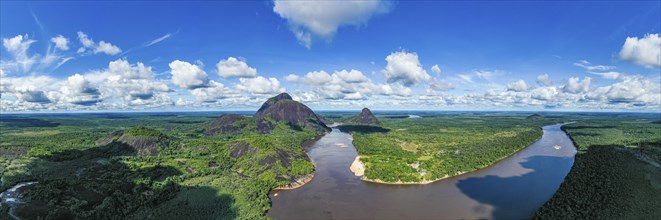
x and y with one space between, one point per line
518 197
94 184
192 203
589 126
585 134
363 129
18 122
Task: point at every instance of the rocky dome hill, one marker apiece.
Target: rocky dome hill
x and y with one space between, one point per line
278 108
364 118
139 139
283 108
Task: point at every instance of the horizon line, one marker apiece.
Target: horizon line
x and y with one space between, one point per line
334 110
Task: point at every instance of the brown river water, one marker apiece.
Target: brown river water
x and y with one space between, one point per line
513 188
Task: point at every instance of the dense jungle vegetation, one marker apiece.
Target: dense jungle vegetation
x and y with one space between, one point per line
616 173
227 176
195 177
423 149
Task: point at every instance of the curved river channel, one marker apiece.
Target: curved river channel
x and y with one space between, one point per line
513 188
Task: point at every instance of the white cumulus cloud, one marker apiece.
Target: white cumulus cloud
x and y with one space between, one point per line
575 85
291 78
544 80
123 68
187 75
517 86
60 42
233 67
405 68
635 89
259 85
78 90
101 47
317 77
211 93
322 18
544 93
352 76
436 69
107 48
645 51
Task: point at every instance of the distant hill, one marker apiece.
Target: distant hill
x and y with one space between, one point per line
535 117
139 139
364 118
283 108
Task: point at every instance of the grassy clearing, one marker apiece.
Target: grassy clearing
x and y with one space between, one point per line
36 133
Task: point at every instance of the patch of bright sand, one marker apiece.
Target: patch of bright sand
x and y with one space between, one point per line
357 167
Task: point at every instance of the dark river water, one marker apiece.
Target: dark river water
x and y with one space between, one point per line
513 188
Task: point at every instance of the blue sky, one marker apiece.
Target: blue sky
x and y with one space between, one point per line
585 56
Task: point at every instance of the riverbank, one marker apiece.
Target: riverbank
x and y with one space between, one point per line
297 183
12 198
308 177
358 169
362 166
608 180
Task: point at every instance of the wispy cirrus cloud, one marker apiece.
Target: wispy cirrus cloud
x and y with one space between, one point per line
158 40
150 43
591 67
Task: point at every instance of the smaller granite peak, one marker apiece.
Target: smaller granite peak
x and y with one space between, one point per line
535 117
140 140
366 111
365 118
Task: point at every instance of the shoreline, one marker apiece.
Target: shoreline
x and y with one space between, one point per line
409 183
298 183
307 177
357 162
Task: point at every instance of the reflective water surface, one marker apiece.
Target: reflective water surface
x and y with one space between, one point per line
511 189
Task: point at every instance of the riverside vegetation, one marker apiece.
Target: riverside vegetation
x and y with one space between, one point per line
616 173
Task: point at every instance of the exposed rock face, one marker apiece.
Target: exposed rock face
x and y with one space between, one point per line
240 149
141 145
226 124
365 118
283 108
